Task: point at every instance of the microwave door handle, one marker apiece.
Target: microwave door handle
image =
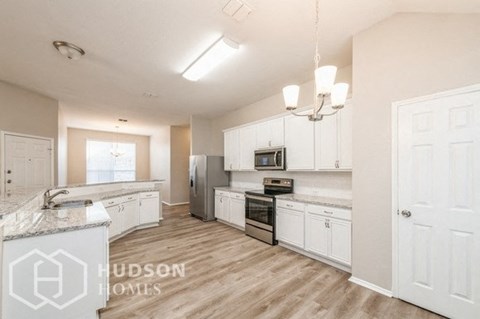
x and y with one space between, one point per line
276 159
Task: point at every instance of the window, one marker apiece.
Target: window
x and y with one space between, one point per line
103 167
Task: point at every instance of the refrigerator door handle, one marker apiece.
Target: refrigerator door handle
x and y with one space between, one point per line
195 180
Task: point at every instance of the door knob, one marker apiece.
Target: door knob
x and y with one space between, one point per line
406 213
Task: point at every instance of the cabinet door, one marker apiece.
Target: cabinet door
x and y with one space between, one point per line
299 143
340 240
237 212
277 132
316 234
226 208
130 213
218 207
270 133
326 144
345 137
290 227
248 144
231 150
115 227
149 210
263 134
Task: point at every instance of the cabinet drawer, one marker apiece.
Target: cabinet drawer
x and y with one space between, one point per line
291 205
237 195
150 195
330 211
221 193
112 201
129 198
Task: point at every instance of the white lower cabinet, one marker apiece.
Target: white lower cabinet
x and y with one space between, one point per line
230 207
237 211
316 235
290 226
329 233
149 208
316 229
131 211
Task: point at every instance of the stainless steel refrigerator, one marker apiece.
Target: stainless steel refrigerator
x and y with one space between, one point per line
206 172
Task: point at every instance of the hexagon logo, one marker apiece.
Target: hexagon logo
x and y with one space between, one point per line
37 279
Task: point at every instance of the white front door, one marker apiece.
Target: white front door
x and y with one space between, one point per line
439 185
28 163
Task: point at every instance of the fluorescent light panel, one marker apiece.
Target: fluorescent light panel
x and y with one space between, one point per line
215 55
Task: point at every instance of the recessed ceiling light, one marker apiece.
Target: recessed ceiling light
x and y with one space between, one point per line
68 50
216 54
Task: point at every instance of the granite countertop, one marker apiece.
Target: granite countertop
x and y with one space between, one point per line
233 189
319 200
10 202
30 222
111 183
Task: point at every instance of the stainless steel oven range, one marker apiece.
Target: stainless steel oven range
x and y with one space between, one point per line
260 208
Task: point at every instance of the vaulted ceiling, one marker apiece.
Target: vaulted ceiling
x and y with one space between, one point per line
140 46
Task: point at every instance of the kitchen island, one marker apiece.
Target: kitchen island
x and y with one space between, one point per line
55 261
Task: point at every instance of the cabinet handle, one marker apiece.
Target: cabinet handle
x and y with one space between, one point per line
289 206
327 212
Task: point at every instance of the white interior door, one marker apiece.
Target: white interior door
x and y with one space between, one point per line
28 163
439 185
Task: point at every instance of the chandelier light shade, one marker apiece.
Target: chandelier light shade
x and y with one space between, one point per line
290 95
325 79
339 95
324 85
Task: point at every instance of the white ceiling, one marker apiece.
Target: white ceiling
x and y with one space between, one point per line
142 46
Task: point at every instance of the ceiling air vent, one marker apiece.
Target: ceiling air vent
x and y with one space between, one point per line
237 9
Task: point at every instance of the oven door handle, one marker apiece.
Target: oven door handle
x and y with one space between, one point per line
263 199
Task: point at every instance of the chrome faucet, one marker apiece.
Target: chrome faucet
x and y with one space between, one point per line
48 199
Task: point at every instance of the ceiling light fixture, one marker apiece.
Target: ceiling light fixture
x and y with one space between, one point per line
324 86
115 151
218 52
69 50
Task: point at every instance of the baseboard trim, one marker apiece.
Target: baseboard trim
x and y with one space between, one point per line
371 286
175 204
316 257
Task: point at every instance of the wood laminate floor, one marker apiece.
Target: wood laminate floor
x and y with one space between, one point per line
230 275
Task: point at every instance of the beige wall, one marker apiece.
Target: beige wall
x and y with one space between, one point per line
62 147
160 159
405 56
180 152
77 139
169 153
270 106
26 112
201 136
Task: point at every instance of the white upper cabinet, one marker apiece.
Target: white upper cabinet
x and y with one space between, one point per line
299 143
247 141
333 141
345 137
232 150
270 133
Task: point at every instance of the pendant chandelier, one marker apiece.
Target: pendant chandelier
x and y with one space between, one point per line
324 86
115 151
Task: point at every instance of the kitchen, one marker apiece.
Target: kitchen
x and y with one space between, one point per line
277 200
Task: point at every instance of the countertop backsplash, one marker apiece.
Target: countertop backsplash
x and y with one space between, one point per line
327 184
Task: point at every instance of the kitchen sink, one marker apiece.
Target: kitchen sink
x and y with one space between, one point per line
73 204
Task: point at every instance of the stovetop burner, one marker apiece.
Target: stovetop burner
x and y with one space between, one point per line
273 187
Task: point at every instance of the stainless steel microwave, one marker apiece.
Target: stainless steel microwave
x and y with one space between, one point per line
270 159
